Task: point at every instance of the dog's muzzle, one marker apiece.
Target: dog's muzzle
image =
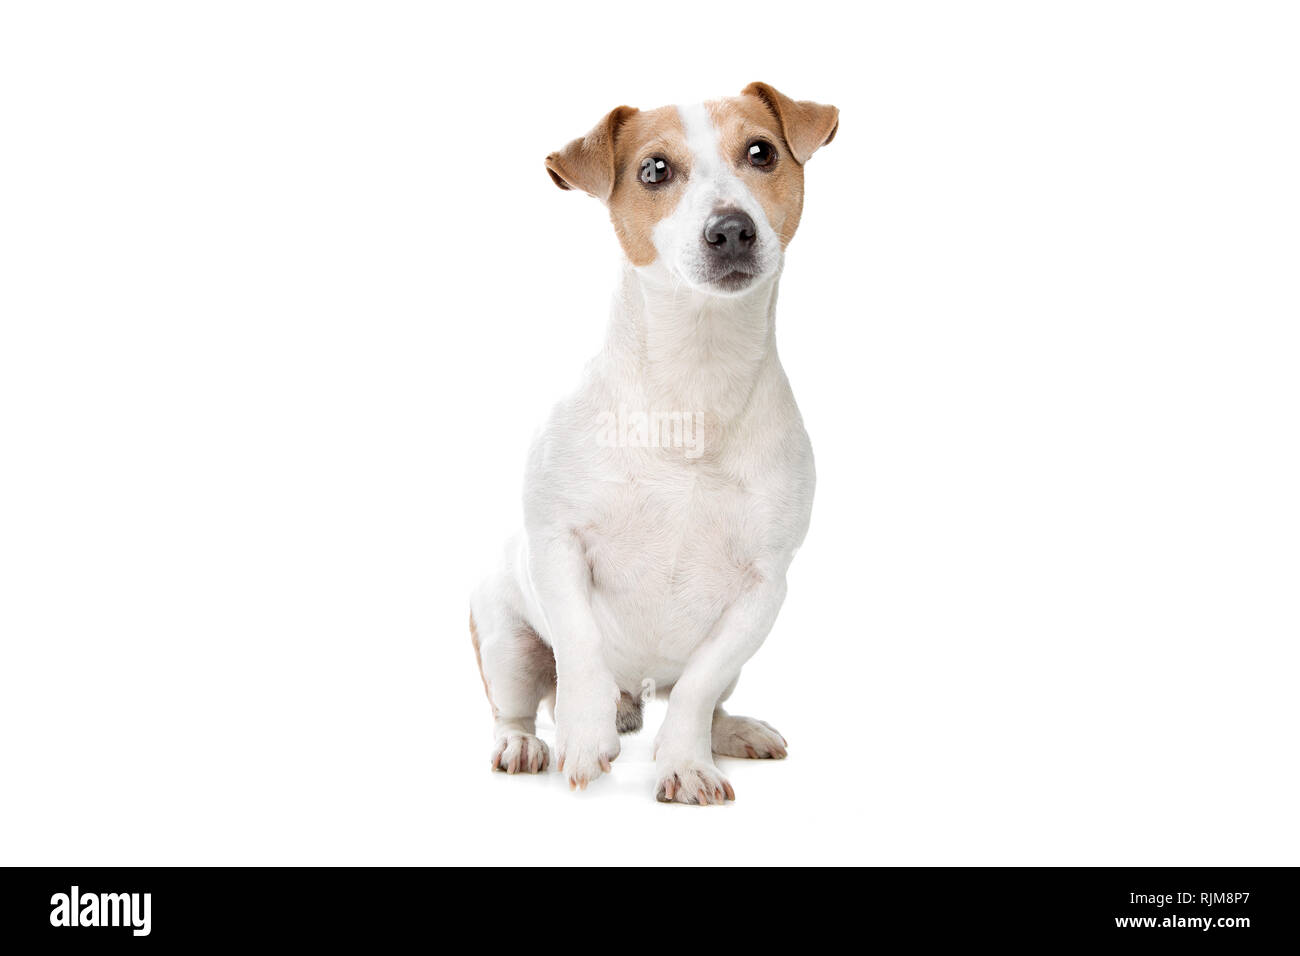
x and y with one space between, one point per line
730 240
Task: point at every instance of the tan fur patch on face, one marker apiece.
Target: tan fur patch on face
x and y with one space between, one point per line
635 208
778 187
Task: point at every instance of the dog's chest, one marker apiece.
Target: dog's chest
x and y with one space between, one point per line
668 550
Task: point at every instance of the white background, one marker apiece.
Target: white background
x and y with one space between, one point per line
284 291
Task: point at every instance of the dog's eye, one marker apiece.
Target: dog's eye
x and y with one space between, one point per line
655 170
761 153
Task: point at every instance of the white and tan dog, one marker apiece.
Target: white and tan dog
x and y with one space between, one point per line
664 501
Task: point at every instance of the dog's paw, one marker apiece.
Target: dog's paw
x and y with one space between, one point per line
520 753
585 752
747 737
693 782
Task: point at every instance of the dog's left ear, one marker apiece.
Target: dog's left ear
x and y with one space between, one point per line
807 126
587 163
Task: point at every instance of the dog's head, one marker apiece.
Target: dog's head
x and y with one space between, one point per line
708 194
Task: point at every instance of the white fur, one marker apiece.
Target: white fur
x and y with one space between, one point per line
645 563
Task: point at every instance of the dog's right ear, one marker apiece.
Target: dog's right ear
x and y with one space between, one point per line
588 163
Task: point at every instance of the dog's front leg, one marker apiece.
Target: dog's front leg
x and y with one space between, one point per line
683 747
586 698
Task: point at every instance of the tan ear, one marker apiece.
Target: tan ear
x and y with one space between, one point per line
588 163
807 126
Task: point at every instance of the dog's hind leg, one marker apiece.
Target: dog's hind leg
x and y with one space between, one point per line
628 716
735 736
518 671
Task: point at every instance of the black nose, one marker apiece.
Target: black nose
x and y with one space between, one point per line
729 233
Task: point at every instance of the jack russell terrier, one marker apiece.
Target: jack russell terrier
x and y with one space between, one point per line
665 499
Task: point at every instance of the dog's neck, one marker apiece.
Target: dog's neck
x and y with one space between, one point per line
678 349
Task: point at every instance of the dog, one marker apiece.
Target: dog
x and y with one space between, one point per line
665 499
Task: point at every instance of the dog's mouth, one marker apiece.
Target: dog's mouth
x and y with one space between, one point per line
732 280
